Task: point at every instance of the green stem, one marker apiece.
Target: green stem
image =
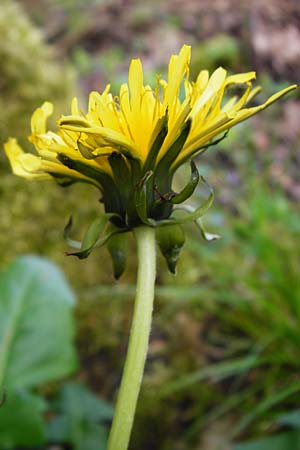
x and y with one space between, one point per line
138 342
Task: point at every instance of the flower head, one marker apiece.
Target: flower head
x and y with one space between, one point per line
130 145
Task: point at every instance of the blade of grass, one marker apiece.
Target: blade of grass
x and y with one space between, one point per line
264 406
218 371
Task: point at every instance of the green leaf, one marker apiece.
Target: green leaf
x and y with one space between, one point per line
36 324
21 421
80 420
291 419
282 441
58 429
78 401
93 437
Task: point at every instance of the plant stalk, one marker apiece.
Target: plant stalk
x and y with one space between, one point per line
138 341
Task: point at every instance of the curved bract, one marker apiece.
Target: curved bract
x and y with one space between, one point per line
130 145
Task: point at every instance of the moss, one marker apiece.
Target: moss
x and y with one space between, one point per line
29 72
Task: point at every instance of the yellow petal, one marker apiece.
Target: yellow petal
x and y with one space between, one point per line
109 136
102 111
202 80
222 119
240 78
229 104
174 128
178 66
124 99
214 85
241 102
135 82
279 94
139 121
253 93
221 126
23 164
73 122
39 118
244 114
74 107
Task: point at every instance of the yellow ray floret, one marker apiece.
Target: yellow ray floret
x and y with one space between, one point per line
35 167
127 124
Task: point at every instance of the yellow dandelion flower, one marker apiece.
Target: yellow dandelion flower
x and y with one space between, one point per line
130 145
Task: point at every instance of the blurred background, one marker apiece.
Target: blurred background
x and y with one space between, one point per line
223 365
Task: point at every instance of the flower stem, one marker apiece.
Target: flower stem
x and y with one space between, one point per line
138 342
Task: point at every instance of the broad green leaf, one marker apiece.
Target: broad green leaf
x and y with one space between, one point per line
282 441
93 437
81 434
58 429
21 421
291 419
77 401
36 324
80 419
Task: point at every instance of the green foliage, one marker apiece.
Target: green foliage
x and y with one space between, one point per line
219 50
36 327
29 73
282 441
36 335
253 277
79 419
21 421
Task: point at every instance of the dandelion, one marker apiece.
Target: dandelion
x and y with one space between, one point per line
130 146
